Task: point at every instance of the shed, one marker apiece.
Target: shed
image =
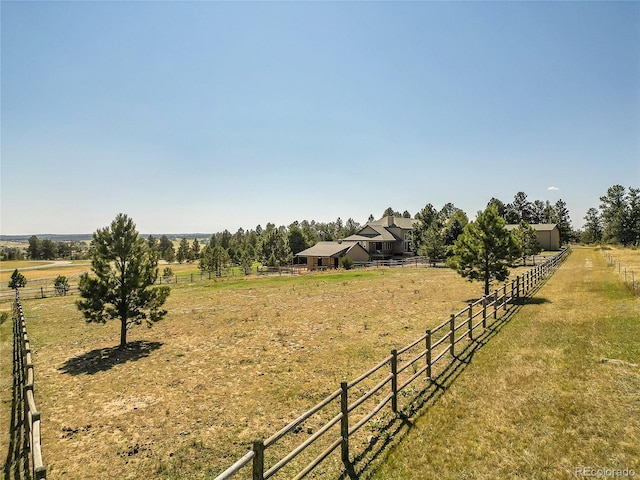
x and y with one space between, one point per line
548 235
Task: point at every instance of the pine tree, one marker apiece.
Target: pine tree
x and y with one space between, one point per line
17 280
528 240
593 226
121 287
563 221
485 249
614 214
183 251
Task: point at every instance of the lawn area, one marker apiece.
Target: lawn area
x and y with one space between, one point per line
557 389
234 360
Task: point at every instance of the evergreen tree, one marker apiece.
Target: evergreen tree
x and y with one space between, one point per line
214 258
48 249
295 237
246 260
432 243
633 216
17 280
194 253
614 215
61 285
562 220
167 251
485 249
183 251
593 226
124 271
274 246
34 250
351 227
499 205
528 240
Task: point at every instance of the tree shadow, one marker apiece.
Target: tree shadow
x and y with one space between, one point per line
530 301
102 359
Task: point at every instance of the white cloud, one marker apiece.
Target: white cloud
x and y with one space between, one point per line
554 189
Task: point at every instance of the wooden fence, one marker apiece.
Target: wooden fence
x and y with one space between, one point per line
44 288
631 280
349 408
29 415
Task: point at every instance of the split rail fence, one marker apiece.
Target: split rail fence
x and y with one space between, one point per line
29 415
630 279
342 413
44 288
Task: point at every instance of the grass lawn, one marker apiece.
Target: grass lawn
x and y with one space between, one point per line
557 389
234 360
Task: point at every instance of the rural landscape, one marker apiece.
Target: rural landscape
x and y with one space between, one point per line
326 240
241 354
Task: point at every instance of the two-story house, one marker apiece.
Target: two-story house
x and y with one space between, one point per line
389 237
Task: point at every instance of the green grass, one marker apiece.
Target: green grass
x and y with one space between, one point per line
558 388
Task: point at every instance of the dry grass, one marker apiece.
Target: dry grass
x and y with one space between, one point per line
44 271
233 361
558 388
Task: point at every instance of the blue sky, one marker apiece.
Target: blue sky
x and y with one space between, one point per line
201 116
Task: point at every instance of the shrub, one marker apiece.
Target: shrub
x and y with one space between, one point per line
346 263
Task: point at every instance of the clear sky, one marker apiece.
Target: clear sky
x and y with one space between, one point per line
200 116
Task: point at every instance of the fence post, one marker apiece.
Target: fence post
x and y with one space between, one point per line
429 354
42 292
394 381
344 423
518 286
512 290
504 296
484 312
258 459
470 321
452 335
495 305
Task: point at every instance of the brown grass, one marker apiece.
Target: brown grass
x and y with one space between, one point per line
234 360
555 390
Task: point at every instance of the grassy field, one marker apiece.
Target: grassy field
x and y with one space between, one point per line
234 360
237 359
557 389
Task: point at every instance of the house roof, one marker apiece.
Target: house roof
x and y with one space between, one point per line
539 227
326 249
379 234
400 222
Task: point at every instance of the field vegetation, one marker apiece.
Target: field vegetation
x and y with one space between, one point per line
234 360
556 390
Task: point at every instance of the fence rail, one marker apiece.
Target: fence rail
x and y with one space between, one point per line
389 378
31 423
631 280
45 288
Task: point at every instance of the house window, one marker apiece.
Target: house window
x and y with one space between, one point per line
378 245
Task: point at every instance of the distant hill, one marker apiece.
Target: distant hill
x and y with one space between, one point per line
85 237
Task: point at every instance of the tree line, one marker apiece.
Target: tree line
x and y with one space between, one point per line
617 220
46 249
436 231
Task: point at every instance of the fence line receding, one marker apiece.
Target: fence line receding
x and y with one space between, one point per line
345 411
